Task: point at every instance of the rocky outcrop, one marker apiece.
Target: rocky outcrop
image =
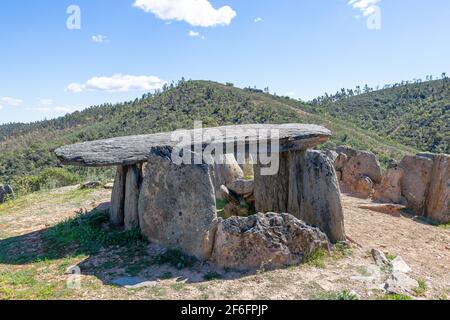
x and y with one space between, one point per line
177 206
266 241
389 189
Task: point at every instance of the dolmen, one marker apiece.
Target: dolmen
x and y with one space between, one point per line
166 186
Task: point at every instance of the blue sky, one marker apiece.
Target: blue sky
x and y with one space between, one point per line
127 47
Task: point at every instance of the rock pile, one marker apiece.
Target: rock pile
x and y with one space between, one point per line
421 182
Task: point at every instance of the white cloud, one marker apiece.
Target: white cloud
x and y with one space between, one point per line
366 6
198 13
258 19
74 88
194 34
118 83
10 102
99 38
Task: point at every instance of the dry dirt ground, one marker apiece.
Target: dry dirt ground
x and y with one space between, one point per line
28 271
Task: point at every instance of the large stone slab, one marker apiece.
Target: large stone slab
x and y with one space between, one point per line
135 149
265 241
177 206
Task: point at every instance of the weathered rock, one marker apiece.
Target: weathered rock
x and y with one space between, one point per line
6 193
340 162
108 186
380 258
389 190
226 173
399 265
314 193
177 206
229 196
364 187
438 200
272 191
268 240
241 187
415 180
136 149
132 188
91 184
118 197
348 151
332 155
361 164
339 175
399 283
305 186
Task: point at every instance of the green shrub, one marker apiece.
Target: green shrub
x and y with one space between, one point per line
49 178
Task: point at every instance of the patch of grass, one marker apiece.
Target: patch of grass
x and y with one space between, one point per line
395 297
342 250
316 258
421 289
342 295
210 276
89 232
176 258
178 286
390 257
220 206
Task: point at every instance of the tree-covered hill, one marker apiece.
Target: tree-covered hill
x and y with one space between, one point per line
27 149
415 114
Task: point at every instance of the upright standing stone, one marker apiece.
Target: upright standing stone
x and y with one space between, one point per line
118 197
438 202
306 186
177 206
416 180
132 187
272 191
314 194
390 190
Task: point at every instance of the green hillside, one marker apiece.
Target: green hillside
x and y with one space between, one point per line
27 149
414 114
